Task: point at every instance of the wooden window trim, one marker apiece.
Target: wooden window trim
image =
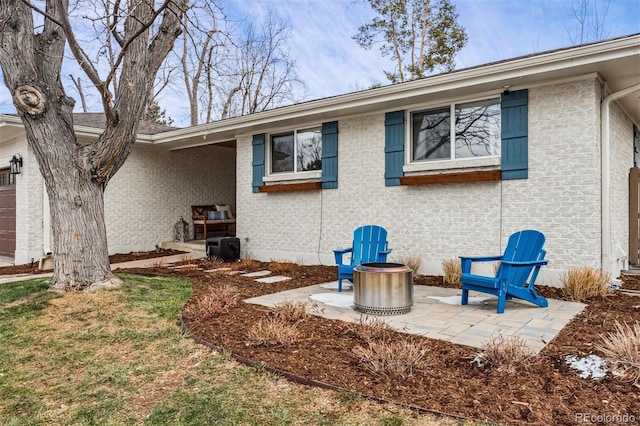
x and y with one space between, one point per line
461 177
291 187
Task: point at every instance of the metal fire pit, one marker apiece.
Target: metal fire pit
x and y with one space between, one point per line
383 288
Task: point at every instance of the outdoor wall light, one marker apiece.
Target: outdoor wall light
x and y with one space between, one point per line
16 164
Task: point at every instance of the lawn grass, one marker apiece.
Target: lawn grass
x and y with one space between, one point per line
118 357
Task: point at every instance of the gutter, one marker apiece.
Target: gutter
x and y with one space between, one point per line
605 170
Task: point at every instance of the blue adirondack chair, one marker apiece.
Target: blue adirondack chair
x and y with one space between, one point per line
369 245
516 276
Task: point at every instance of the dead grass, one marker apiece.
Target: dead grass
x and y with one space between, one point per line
507 355
291 312
247 262
585 282
451 270
391 358
160 263
272 331
282 268
216 263
412 261
622 351
371 328
217 302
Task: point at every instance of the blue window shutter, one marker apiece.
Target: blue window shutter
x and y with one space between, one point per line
330 155
393 147
258 161
515 141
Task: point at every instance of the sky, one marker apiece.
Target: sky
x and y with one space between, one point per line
330 62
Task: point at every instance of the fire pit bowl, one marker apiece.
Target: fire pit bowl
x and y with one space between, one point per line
383 288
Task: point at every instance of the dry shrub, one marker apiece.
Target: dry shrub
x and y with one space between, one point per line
272 331
622 351
161 263
215 262
371 328
219 301
412 261
291 312
246 262
278 267
452 270
585 282
228 294
391 358
503 354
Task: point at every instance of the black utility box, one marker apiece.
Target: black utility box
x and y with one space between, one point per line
225 248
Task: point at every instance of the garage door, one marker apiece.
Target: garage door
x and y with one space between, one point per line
7 214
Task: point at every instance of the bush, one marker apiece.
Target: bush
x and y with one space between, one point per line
281 267
213 304
291 312
452 270
504 354
371 328
622 351
391 358
585 282
412 261
272 332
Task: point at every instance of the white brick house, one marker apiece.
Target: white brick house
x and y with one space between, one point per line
562 169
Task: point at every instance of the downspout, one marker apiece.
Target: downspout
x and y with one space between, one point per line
605 170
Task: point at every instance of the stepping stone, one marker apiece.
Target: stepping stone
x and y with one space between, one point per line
185 266
257 274
273 279
217 270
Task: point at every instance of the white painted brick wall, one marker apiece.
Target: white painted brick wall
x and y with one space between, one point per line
142 202
155 187
434 222
621 160
29 201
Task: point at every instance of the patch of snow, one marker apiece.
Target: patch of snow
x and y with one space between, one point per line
333 285
591 366
331 299
457 300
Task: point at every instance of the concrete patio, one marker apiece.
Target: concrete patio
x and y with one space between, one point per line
472 325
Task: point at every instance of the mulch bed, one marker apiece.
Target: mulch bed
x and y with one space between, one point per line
547 391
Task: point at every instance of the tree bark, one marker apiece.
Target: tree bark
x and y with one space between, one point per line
75 174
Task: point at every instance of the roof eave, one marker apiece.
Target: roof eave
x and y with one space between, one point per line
514 69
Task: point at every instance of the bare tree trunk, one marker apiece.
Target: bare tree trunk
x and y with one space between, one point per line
79 233
75 174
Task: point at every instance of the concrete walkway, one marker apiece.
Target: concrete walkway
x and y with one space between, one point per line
437 313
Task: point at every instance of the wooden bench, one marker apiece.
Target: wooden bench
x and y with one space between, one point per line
206 222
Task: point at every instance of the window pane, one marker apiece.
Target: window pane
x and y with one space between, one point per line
309 149
478 128
282 153
431 134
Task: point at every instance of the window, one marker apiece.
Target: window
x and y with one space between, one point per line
296 151
476 132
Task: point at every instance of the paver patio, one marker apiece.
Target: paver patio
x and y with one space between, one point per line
472 325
